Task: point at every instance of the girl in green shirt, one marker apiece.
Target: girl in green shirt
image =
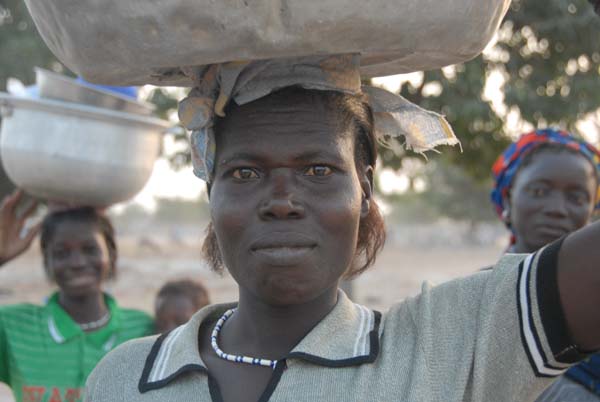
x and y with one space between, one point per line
47 352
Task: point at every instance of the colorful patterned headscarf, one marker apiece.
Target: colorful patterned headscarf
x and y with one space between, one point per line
507 164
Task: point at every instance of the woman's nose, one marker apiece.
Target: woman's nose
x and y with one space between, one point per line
281 199
76 259
281 208
556 206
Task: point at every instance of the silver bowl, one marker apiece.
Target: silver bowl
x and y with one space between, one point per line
75 153
57 86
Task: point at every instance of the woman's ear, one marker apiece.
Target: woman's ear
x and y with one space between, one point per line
366 184
506 210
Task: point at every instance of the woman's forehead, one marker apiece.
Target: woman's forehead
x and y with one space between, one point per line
557 166
75 230
278 131
294 113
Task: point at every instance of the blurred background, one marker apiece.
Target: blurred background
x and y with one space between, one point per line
542 69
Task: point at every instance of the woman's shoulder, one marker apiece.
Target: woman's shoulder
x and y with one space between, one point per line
122 366
441 304
20 309
17 318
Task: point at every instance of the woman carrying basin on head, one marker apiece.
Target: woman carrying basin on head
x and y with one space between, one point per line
288 149
47 352
547 187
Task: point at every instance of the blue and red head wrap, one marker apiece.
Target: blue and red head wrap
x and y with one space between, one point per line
507 164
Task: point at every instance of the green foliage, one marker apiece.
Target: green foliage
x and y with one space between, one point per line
474 121
21 46
164 102
450 193
549 54
554 66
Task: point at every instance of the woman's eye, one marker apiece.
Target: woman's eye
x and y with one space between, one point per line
91 250
59 254
318 170
579 198
539 191
244 174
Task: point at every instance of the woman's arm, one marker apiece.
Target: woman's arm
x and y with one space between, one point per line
12 243
579 285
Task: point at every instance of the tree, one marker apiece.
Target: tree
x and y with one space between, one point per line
21 46
554 65
548 53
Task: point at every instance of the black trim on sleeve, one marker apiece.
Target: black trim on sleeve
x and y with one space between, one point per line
530 332
551 313
522 329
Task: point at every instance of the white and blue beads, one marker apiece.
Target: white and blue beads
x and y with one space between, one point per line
235 358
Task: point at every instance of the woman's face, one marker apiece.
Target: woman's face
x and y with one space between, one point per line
552 196
286 199
78 259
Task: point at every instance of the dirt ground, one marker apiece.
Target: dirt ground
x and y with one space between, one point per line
145 265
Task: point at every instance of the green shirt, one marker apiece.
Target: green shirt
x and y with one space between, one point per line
46 357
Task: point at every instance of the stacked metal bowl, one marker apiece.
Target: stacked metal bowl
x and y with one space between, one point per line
78 143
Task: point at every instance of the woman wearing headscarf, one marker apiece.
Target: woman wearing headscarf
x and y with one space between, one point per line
546 186
288 150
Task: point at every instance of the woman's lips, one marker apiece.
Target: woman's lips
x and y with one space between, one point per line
283 240
283 248
79 277
284 255
81 280
552 230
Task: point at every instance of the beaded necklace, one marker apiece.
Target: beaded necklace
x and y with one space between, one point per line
90 326
235 358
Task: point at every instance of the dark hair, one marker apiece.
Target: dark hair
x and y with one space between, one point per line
82 214
550 147
190 289
355 112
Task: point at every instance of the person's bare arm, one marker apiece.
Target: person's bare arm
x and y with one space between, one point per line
579 285
12 243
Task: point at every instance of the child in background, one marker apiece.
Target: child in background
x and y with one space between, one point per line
177 301
47 351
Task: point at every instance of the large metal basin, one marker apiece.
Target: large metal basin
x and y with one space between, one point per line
79 154
128 42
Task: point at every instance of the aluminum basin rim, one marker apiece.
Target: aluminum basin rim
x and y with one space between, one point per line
79 110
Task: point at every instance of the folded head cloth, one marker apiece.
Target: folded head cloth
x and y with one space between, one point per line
244 82
507 164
